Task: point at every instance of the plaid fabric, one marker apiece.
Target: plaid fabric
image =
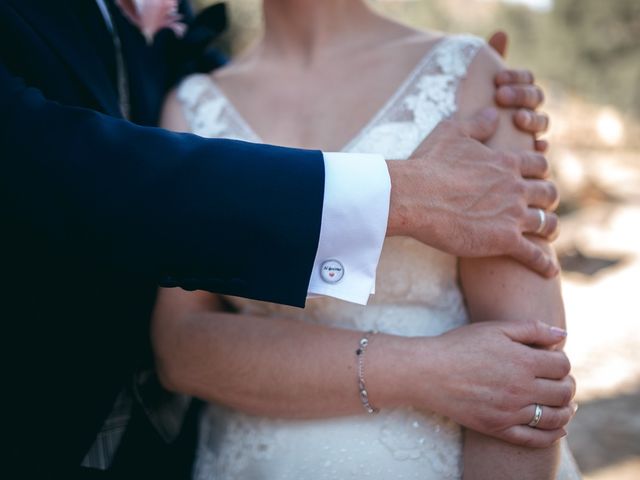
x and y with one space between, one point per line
165 411
103 450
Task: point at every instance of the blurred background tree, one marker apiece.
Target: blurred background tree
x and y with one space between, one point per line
587 46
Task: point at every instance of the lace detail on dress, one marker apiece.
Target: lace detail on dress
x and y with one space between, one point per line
207 111
417 294
410 435
426 98
245 440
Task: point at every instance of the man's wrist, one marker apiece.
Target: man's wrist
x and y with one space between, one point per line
398 222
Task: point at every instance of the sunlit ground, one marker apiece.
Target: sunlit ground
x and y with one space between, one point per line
601 284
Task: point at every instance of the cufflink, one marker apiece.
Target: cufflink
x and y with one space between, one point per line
331 271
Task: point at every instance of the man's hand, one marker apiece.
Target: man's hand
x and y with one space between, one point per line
516 89
486 377
459 196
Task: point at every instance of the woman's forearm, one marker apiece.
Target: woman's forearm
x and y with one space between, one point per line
280 367
498 289
270 366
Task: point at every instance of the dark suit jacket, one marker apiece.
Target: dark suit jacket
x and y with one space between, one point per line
96 211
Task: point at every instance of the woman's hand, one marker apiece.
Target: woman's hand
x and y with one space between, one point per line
517 89
486 377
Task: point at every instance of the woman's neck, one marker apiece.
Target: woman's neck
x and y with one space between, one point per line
304 30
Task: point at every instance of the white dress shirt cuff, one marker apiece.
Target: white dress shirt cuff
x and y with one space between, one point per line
354 224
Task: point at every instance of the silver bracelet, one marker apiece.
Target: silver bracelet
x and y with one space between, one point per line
360 352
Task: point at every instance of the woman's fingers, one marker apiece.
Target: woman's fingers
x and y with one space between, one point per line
532 437
499 41
555 393
552 418
552 364
535 333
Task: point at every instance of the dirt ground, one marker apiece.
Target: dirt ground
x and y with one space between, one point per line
600 253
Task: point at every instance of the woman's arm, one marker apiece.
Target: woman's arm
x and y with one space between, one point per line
500 289
281 367
269 366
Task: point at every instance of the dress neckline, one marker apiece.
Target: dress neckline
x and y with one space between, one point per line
373 120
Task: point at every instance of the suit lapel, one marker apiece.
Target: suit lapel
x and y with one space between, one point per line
81 39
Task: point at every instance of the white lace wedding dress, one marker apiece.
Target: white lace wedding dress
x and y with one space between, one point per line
417 293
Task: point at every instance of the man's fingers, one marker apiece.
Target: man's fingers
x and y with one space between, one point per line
534 165
530 121
534 257
520 96
532 437
552 418
543 224
555 393
512 77
541 194
482 126
541 146
499 41
553 365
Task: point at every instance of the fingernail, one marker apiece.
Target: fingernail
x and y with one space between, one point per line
574 407
558 332
490 113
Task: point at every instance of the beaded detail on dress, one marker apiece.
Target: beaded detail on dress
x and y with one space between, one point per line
417 294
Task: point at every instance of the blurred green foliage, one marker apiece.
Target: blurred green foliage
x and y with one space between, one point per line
588 47
591 47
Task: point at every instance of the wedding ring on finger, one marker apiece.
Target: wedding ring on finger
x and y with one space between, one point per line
537 416
543 221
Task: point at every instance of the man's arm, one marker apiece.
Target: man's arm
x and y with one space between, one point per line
468 200
227 216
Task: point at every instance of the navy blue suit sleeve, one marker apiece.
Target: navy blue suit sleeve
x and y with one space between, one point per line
226 216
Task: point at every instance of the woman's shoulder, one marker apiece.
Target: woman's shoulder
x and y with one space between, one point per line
191 88
479 80
453 53
184 97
